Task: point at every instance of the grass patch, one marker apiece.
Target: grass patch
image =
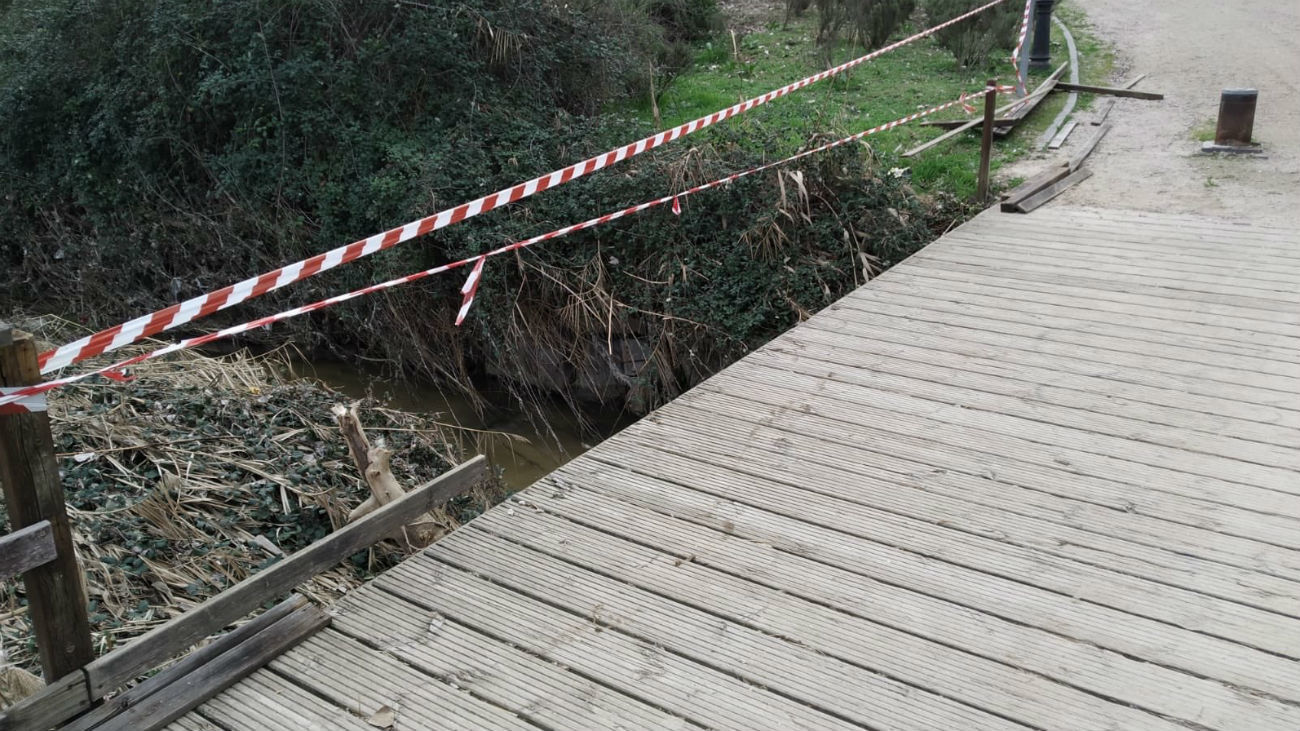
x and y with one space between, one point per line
899 83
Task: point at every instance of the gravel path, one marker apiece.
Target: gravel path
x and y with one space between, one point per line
1192 49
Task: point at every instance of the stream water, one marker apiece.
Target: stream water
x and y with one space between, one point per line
523 450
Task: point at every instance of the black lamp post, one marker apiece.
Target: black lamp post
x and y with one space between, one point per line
1040 53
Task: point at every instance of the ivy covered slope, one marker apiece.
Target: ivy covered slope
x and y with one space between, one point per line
154 151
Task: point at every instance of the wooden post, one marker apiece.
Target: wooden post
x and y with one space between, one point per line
33 493
986 142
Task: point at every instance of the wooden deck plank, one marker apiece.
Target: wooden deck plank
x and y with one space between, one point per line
1230 374
1183 556
843 540
899 339
364 681
1009 280
525 684
791 669
1104 396
988 552
1231 508
1041 475
580 641
1081 665
996 687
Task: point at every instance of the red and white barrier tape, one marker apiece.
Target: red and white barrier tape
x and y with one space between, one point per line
1020 46
202 306
470 289
22 404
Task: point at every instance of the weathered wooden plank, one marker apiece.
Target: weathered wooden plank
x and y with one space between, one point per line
1177 555
1015 111
158 644
911 447
843 536
950 426
786 667
1026 382
365 681
899 338
1060 137
685 557
33 491
709 694
536 689
1090 279
26 548
1196 230
1077 160
193 722
1103 584
1109 90
990 685
267 702
1040 198
1012 198
189 664
1170 260
1093 338
60 700
205 681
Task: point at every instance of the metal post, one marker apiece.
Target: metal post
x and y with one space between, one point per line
1040 52
986 142
1236 117
33 493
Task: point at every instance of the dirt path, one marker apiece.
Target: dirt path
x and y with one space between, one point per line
1192 49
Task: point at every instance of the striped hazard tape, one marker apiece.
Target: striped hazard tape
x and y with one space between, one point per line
470 289
1020 46
21 404
202 306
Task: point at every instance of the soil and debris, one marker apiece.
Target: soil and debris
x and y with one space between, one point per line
199 471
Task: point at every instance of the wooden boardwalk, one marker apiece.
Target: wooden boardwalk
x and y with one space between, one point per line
1042 475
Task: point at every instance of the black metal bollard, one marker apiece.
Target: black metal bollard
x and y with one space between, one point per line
1236 117
1040 52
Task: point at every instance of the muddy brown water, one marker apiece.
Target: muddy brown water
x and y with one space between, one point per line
522 448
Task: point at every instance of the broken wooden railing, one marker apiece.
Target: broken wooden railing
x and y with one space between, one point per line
40 549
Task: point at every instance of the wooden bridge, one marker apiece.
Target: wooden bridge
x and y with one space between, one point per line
1042 475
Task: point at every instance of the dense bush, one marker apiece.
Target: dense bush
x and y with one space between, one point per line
869 22
973 41
153 151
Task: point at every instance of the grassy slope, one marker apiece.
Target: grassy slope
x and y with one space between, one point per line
899 83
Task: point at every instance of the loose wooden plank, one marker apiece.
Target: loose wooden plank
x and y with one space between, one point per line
1018 109
26 548
1103 112
158 644
203 682
1111 90
1060 137
1079 157
1036 200
1012 198
187 665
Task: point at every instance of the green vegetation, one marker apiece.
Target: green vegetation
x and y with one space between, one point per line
217 141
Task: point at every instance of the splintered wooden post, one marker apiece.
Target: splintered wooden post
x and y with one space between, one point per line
986 142
33 493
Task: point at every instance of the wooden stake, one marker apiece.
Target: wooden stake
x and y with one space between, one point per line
986 142
33 493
